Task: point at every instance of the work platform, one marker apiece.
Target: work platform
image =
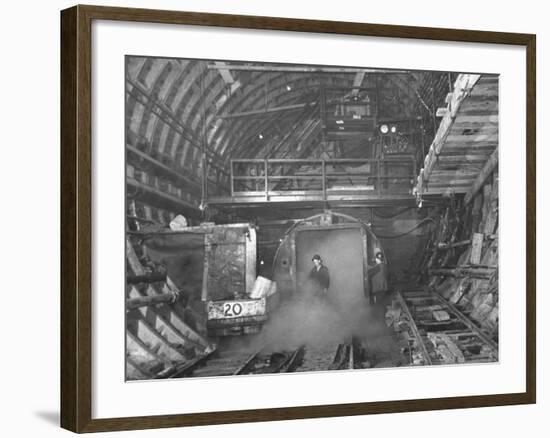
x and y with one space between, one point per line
312 200
465 148
320 182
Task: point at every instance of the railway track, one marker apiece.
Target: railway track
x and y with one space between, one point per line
330 356
428 330
227 362
235 361
440 333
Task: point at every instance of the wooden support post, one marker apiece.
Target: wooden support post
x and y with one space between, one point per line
483 273
492 213
453 245
488 168
145 278
476 213
134 303
477 246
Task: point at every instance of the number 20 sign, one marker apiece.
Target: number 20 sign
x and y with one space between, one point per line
236 309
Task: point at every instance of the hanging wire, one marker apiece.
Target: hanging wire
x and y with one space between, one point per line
418 225
390 216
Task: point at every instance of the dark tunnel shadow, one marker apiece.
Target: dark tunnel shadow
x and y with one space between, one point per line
51 417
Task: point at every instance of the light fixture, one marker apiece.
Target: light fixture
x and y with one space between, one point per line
288 88
394 129
384 129
260 136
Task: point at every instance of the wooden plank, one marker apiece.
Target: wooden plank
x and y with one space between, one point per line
488 90
450 179
445 191
484 273
476 213
490 137
136 302
146 278
464 184
488 78
460 167
305 69
481 110
492 215
444 246
487 188
456 171
485 149
469 130
474 120
463 158
477 246
488 168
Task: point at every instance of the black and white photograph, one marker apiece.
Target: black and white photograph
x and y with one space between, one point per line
287 218
275 219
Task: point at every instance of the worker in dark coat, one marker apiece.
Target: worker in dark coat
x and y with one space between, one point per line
378 275
319 278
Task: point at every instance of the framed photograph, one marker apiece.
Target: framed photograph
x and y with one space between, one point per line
269 218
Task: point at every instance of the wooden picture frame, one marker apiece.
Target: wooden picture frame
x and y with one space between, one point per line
76 217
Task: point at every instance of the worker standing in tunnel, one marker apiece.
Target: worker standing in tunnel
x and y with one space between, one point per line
378 279
319 278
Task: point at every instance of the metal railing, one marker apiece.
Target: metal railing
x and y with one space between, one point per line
323 177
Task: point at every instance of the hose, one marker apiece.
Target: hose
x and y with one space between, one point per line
418 225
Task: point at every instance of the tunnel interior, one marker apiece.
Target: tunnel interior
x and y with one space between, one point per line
341 249
238 173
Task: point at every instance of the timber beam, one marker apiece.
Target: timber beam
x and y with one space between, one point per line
297 69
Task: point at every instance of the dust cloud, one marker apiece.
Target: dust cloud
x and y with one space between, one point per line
317 322
344 312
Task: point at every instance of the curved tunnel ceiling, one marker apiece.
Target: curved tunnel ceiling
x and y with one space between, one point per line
174 106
